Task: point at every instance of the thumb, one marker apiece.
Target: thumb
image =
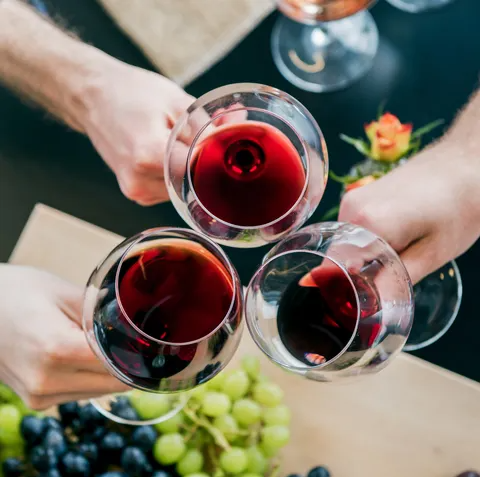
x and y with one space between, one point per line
71 302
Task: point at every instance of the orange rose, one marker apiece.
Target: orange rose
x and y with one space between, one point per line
389 138
361 182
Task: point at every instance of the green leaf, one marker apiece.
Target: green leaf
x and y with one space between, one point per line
331 214
359 144
381 109
342 179
427 128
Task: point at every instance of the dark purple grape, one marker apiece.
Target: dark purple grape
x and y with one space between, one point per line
95 435
77 427
52 473
162 473
127 413
111 447
89 450
469 473
319 472
13 467
32 429
113 474
294 475
144 437
135 462
43 459
75 465
54 439
90 417
68 412
52 423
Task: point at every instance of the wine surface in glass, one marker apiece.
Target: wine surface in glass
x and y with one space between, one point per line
317 315
170 293
247 174
321 10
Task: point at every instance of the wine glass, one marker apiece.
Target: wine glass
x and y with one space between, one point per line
324 45
417 6
246 165
163 314
437 302
331 301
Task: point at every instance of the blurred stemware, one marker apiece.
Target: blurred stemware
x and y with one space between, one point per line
324 45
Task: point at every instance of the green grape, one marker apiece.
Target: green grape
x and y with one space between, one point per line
251 475
236 384
198 474
227 425
10 420
257 463
170 425
275 436
198 392
269 451
251 364
216 383
246 412
233 461
215 404
190 463
8 451
268 394
149 405
198 439
169 449
277 415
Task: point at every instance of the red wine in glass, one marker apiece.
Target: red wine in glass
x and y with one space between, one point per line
158 317
247 174
317 315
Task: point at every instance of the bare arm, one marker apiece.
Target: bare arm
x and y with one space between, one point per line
44 64
126 112
428 209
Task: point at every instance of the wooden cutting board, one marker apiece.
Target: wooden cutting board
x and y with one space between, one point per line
413 419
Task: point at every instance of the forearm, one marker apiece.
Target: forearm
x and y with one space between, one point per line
45 65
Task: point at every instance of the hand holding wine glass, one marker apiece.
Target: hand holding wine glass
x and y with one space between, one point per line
428 209
44 355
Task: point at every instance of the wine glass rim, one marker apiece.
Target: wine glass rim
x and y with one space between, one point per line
165 230
251 325
306 167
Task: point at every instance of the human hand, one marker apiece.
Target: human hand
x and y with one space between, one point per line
128 117
428 209
44 355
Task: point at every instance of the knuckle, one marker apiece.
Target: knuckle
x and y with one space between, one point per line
355 210
131 188
147 162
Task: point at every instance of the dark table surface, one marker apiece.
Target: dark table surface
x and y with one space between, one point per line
426 68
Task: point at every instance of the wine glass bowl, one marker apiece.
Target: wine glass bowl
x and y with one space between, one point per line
163 310
324 45
246 165
331 301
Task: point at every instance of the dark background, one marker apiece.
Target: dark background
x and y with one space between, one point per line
426 68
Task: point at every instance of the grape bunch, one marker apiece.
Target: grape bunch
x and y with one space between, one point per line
234 425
